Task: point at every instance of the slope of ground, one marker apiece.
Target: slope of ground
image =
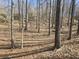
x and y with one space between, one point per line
35 44
69 50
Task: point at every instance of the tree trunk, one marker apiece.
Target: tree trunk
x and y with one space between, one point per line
19 15
38 16
78 27
53 12
57 25
49 17
62 11
12 41
69 12
71 20
26 17
22 25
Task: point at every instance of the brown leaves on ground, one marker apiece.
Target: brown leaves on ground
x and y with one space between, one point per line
68 51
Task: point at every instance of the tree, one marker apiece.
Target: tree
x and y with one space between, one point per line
37 15
62 11
71 19
38 1
19 14
49 16
57 25
22 24
69 12
78 27
77 17
53 13
12 41
26 17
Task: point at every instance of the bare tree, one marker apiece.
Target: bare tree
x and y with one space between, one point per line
26 17
38 1
62 11
19 14
57 25
12 41
49 17
53 12
37 16
22 25
71 19
78 27
69 12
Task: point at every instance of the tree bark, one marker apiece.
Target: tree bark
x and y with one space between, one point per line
78 27
19 15
38 16
12 41
69 12
53 13
71 20
22 25
62 11
26 17
49 17
57 25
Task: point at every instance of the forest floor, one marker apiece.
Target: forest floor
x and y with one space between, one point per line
37 45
